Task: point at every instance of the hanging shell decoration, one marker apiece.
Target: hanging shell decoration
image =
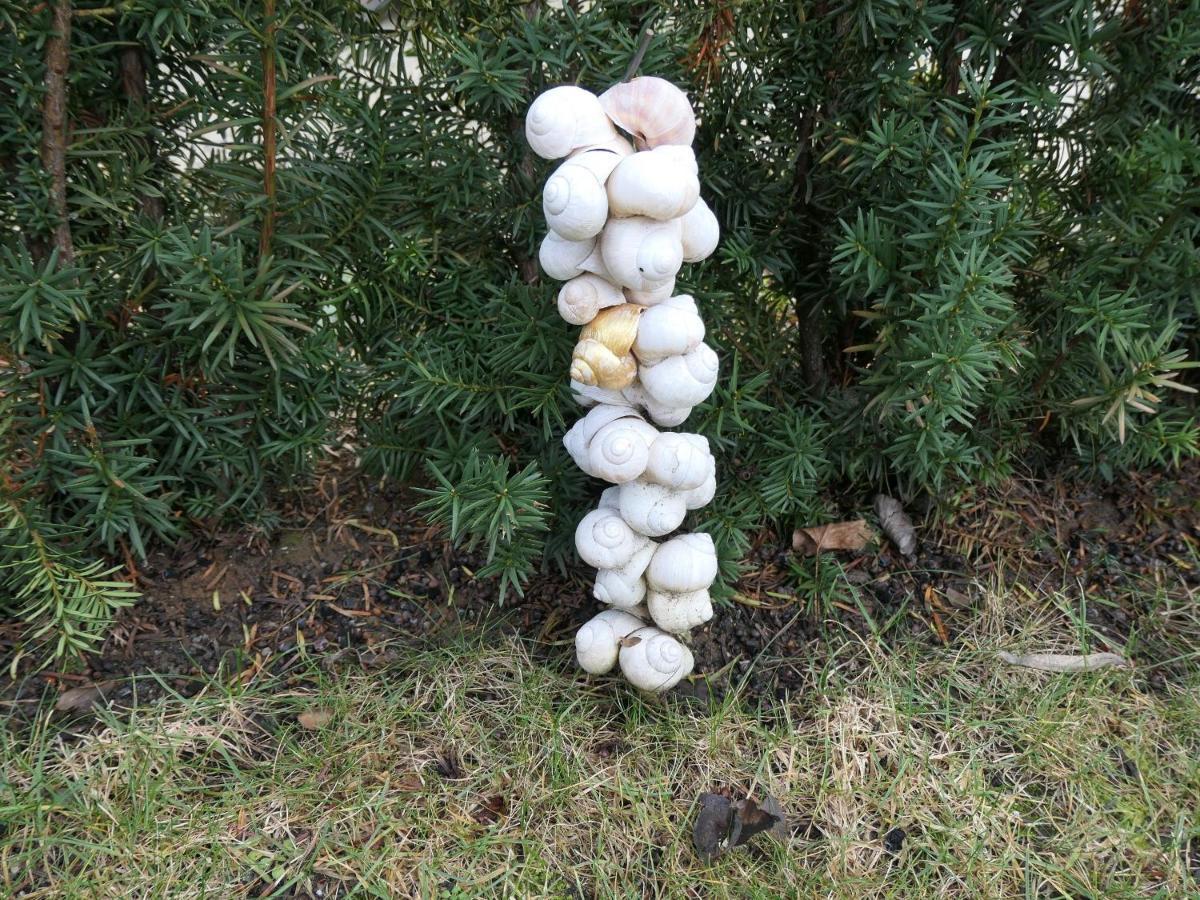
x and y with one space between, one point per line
622 222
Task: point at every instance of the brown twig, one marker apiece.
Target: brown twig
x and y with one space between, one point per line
43 433
54 128
523 174
808 313
102 11
951 66
640 53
268 57
132 67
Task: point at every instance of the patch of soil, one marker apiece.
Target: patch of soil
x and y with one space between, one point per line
359 574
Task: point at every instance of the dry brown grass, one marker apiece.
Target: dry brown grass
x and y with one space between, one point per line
476 772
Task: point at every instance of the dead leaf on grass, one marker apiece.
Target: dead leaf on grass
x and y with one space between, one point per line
315 719
956 598
410 783
896 524
490 810
1058 662
724 823
853 535
710 835
81 699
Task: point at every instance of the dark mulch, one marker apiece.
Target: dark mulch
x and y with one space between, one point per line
359 575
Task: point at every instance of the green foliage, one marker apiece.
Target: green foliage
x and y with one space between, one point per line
482 503
955 236
70 601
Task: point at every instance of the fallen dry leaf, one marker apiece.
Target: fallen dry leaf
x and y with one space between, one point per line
410 782
896 524
350 613
779 830
724 823
853 535
1057 662
956 598
81 699
315 719
490 810
710 835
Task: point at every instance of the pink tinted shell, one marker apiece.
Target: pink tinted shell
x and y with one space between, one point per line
651 109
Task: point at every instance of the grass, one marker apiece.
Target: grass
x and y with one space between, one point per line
476 771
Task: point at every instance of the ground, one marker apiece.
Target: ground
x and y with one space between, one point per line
342 710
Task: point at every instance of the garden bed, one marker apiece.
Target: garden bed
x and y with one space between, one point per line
356 574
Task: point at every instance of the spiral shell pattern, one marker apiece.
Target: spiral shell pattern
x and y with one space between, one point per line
581 298
605 541
598 642
651 509
564 119
574 203
656 662
619 452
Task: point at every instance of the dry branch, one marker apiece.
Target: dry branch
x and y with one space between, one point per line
54 128
268 57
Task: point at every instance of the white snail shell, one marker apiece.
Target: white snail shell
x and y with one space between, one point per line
652 660
651 509
566 118
661 413
661 184
681 380
700 232
585 295
680 461
702 495
641 253
683 564
575 200
656 295
610 498
579 437
598 641
605 541
651 109
595 263
562 258
668 329
617 591
679 613
625 587
620 450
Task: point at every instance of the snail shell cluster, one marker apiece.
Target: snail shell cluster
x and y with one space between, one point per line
624 213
